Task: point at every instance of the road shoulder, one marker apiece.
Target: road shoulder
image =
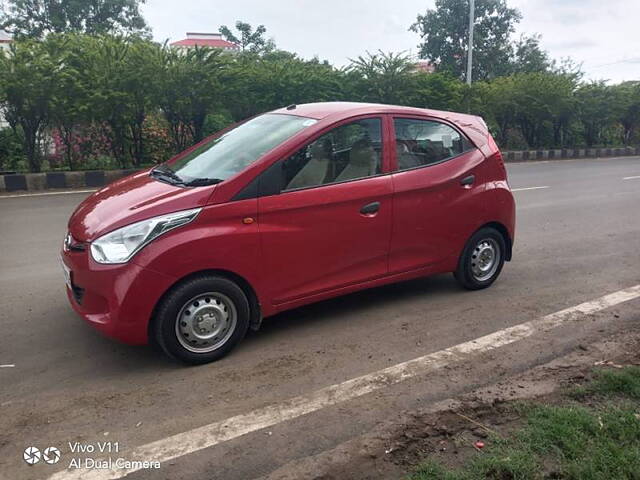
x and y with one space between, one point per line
447 430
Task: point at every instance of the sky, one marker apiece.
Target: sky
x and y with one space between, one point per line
603 35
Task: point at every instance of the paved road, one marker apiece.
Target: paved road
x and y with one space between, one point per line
577 239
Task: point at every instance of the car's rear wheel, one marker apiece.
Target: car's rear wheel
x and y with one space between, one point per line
201 320
482 259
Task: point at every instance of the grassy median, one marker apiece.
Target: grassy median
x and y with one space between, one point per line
592 433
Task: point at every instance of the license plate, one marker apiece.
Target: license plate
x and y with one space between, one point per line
67 273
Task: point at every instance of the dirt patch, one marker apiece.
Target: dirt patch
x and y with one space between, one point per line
449 432
451 436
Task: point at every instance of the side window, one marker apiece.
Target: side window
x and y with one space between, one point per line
345 153
424 142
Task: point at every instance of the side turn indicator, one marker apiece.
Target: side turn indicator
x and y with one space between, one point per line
248 220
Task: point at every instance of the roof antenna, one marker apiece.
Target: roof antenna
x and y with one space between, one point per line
291 107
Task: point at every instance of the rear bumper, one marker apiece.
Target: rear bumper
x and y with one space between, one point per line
117 300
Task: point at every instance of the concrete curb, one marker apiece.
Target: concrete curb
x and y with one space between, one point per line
99 178
60 180
568 153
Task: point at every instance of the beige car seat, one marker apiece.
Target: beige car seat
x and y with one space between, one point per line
406 159
363 161
315 170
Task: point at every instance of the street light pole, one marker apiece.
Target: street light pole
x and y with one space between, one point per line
470 48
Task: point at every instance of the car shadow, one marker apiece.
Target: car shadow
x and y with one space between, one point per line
116 357
335 309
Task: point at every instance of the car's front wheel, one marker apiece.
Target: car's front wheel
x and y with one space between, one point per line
201 319
482 259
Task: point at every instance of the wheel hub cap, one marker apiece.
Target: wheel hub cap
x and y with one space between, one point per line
485 259
206 322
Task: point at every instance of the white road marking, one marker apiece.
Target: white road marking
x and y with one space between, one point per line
8 365
631 178
209 435
66 192
528 188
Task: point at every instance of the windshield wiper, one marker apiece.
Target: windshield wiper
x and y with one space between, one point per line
164 173
201 182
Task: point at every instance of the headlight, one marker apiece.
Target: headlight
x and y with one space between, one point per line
122 244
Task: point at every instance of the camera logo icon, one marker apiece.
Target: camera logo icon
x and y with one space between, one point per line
51 455
31 455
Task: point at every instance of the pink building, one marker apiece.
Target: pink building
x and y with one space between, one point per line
5 40
211 40
425 66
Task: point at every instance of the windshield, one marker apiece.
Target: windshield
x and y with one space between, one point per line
232 152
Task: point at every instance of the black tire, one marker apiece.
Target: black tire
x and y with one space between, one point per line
164 332
477 243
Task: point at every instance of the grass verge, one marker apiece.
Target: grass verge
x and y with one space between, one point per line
592 434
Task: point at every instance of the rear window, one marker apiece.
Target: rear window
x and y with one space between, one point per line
425 142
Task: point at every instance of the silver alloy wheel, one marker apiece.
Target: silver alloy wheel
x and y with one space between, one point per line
206 322
485 259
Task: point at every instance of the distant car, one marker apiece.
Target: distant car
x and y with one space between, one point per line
288 208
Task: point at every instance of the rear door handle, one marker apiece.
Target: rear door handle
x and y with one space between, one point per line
370 208
468 180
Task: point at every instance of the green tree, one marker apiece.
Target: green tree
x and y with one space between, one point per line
627 96
192 87
124 78
594 102
11 150
141 79
569 68
109 102
37 18
277 79
539 105
247 38
529 57
383 77
69 104
445 36
438 91
28 75
543 106
495 101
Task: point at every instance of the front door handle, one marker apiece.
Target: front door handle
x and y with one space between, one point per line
468 180
370 208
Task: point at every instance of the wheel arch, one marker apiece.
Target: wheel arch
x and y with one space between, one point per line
255 310
505 234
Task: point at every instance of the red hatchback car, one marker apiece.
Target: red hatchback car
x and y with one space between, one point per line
287 208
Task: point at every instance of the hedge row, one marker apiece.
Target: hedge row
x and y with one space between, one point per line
98 178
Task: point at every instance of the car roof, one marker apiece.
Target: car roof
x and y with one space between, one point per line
321 110
473 125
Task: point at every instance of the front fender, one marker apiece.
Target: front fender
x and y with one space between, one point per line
218 239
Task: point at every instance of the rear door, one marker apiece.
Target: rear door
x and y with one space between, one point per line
328 223
438 177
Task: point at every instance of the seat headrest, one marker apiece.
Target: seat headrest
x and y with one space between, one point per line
361 153
321 149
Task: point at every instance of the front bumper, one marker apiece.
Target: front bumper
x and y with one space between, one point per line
117 300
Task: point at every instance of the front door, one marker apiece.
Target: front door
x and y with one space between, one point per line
330 225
